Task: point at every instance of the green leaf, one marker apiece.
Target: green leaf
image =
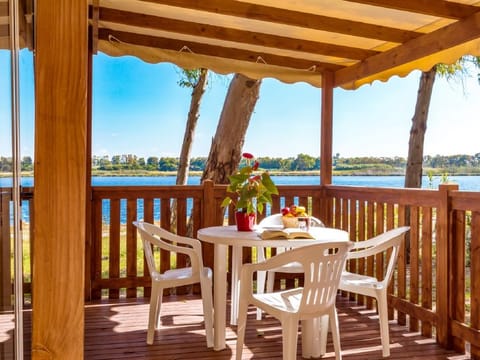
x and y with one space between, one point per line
269 184
226 201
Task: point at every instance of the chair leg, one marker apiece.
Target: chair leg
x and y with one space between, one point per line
154 312
383 319
261 275
290 337
241 324
207 303
335 333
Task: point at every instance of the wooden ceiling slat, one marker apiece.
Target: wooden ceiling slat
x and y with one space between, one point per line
234 35
447 37
440 8
294 18
218 51
4 30
3 9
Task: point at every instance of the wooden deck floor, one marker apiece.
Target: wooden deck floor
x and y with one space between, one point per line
118 331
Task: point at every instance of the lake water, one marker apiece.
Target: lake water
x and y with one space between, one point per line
470 183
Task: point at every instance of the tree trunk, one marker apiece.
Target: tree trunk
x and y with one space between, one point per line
193 115
192 120
413 173
226 149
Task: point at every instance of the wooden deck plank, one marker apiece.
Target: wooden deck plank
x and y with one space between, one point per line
117 330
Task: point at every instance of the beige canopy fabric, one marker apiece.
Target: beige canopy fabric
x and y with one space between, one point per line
358 41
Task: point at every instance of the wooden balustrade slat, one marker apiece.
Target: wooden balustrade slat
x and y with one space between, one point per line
96 261
380 228
181 217
114 245
414 262
352 264
148 216
131 241
369 270
361 266
475 282
337 205
402 268
5 251
458 268
427 268
390 223
344 218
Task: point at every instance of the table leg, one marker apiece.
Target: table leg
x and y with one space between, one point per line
236 268
314 337
220 295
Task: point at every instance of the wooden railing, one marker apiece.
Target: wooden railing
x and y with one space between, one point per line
436 288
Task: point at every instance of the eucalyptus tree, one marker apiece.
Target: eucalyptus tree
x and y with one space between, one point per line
458 70
197 80
226 149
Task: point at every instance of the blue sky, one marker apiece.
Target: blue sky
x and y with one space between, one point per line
139 109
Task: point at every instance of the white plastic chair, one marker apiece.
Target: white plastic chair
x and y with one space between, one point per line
323 264
293 268
371 286
154 236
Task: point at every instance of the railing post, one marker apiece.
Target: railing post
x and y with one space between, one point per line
209 207
444 266
209 212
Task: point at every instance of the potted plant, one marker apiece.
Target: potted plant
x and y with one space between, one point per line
249 192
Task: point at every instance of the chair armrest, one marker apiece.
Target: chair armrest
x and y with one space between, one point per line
377 244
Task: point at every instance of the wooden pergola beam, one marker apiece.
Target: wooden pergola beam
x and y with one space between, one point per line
212 50
453 35
294 18
440 8
234 35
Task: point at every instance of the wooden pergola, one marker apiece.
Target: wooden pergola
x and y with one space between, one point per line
334 43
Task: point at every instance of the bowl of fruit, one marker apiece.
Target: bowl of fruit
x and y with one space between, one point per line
294 216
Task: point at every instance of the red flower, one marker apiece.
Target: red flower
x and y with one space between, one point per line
247 155
255 166
254 178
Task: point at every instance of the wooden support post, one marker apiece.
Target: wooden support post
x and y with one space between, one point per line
326 129
326 132
61 62
444 267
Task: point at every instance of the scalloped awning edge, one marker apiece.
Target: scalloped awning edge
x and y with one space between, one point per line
188 60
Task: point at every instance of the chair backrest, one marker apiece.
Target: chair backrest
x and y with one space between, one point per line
276 219
155 236
391 239
322 265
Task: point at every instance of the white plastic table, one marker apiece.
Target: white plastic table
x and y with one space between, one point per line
224 236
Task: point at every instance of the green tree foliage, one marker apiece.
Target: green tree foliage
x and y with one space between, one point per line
27 163
433 165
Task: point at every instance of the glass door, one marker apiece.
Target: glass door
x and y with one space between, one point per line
15 54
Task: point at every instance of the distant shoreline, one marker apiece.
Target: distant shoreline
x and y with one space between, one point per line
140 173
